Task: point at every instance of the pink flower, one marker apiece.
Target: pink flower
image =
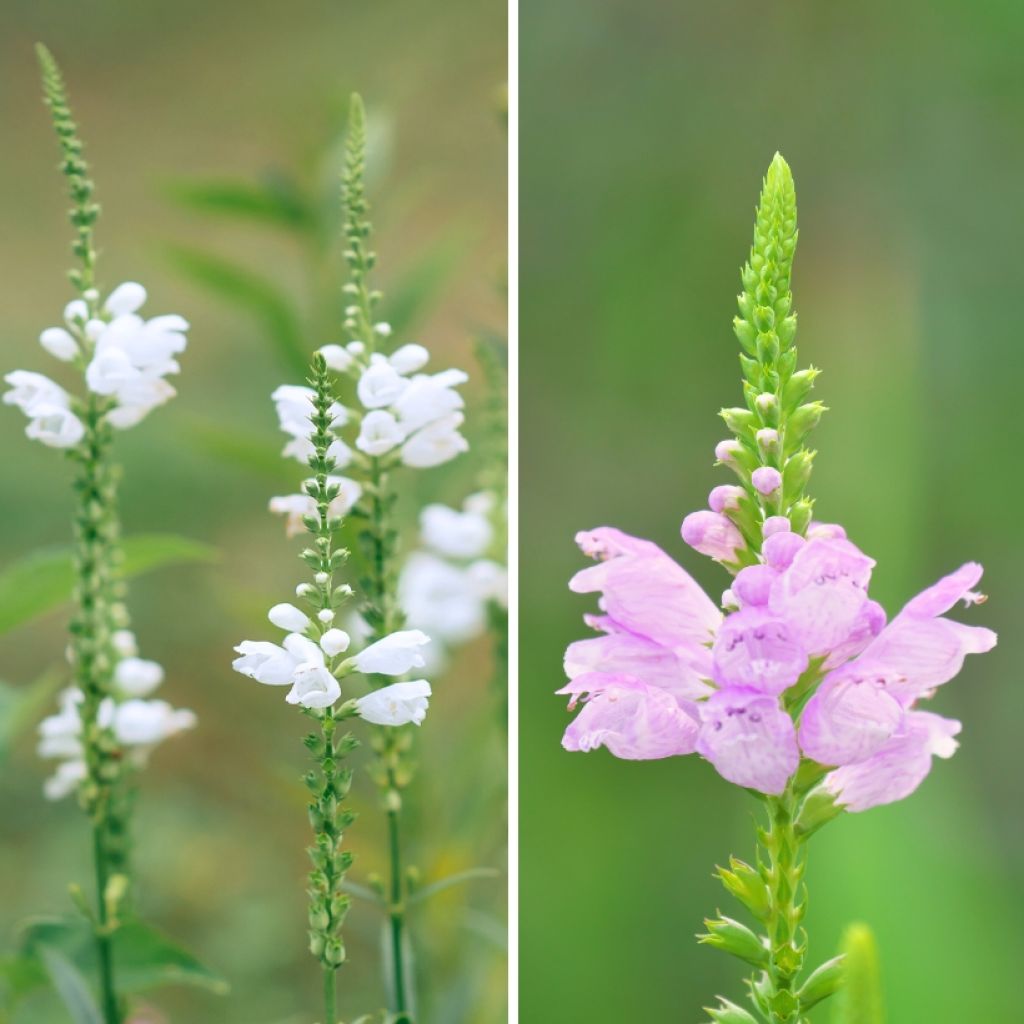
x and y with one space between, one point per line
898 767
749 739
754 649
724 497
766 480
634 721
712 534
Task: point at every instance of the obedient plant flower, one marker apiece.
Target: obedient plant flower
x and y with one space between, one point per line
797 688
398 704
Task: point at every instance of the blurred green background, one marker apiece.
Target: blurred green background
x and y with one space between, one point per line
253 90
646 128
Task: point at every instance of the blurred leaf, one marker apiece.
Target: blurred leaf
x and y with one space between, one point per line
243 448
276 200
44 580
20 707
424 894
408 299
19 975
143 957
859 1000
250 291
363 892
70 986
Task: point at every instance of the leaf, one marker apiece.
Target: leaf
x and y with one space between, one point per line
44 580
20 707
424 894
70 986
250 291
276 200
408 299
859 1000
144 958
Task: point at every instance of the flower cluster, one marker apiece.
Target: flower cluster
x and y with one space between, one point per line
446 585
136 724
313 668
124 359
802 662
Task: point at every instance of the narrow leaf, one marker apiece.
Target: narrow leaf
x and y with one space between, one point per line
275 200
44 580
253 293
70 986
424 894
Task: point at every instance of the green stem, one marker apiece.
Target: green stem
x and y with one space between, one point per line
396 913
330 995
104 946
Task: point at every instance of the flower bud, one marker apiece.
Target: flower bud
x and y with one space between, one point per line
766 480
797 472
775 524
325 615
819 808
798 387
803 421
712 534
822 982
767 406
800 515
739 421
335 642
728 1012
732 937
767 439
725 496
288 618
744 882
726 451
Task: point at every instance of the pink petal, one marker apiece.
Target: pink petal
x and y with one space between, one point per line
756 650
645 592
780 548
624 653
822 593
848 720
866 627
749 739
941 596
753 585
634 721
896 770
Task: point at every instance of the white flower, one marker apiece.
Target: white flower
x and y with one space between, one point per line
393 654
145 723
380 384
138 677
59 734
379 433
30 389
490 580
456 534
60 343
397 704
335 642
125 298
314 687
441 599
124 643
55 426
64 780
435 444
138 399
149 344
76 312
269 663
337 358
288 618
383 329
109 371
409 358
429 398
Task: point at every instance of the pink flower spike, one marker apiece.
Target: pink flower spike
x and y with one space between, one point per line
848 720
645 592
749 739
634 721
775 524
725 496
766 480
712 534
755 650
899 767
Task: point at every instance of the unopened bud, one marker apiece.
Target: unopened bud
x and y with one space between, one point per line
725 496
767 439
766 480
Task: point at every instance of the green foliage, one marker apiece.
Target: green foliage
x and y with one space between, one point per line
21 706
276 201
250 291
44 580
860 998
69 984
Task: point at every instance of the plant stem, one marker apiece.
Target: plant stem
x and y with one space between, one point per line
104 947
330 1002
396 911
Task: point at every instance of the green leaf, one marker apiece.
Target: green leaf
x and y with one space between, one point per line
144 958
859 1000
276 200
44 580
69 984
249 291
424 894
20 707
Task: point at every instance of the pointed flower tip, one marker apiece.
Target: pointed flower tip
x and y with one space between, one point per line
356 109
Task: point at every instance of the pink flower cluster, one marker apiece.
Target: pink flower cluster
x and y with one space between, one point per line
670 674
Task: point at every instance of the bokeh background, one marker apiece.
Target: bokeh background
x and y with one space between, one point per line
646 128
253 91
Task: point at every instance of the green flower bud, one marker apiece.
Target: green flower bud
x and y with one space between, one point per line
822 983
729 1013
744 882
732 937
796 473
739 421
818 808
800 515
798 387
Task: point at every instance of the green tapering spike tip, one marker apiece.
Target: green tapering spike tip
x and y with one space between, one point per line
859 1001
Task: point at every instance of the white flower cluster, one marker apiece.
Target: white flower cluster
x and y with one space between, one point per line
312 668
445 587
124 357
138 724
